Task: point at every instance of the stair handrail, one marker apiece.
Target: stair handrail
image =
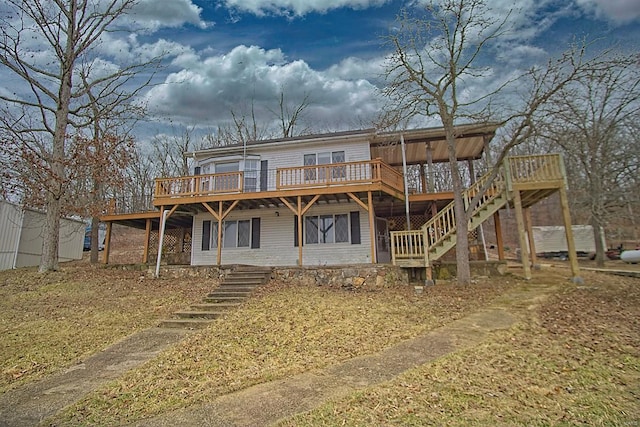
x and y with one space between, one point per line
538 167
443 224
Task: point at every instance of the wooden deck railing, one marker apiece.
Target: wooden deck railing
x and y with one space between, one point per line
199 185
532 169
407 246
330 175
333 174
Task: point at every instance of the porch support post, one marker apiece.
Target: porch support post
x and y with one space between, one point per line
431 185
532 243
472 174
372 228
499 241
107 243
147 237
219 216
164 214
524 255
219 237
163 219
571 245
300 216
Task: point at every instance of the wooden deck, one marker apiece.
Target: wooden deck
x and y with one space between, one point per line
348 177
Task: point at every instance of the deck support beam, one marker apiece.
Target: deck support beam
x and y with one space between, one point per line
147 237
107 243
372 228
499 241
219 216
524 251
299 212
571 245
532 243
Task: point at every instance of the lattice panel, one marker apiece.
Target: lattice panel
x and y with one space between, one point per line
399 223
176 240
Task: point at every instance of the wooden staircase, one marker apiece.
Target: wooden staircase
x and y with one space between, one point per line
233 291
534 176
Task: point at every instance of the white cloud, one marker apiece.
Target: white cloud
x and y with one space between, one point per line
208 90
174 13
619 11
297 7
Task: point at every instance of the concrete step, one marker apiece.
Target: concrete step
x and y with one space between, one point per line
235 288
235 297
216 306
228 294
187 323
234 281
197 314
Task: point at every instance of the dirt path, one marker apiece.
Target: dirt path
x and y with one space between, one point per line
266 403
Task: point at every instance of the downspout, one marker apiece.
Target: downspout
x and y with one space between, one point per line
163 221
406 182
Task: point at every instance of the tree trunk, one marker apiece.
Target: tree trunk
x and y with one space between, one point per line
49 259
597 236
462 240
95 243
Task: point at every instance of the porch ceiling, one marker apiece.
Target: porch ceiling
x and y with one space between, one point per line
139 219
471 141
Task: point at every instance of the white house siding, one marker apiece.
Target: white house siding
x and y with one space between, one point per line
10 226
277 240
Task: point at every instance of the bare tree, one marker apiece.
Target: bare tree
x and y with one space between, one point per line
49 45
436 56
592 120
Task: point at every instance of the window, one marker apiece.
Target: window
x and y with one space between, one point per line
250 175
326 229
309 173
338 172
324 158
235 234
228 181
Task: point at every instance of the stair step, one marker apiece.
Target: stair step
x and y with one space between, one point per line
197 314
218 298
214 306
185 323
235 288
235 281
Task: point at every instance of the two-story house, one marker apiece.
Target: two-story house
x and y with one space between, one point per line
330 199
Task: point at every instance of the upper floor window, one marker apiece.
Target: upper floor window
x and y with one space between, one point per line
324 158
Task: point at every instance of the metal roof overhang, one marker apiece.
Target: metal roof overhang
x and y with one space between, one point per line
471 141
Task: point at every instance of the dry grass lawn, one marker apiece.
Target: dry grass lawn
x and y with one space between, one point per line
572 360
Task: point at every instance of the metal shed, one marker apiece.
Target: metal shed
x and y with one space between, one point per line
21 237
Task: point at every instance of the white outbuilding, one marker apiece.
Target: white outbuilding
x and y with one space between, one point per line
21 237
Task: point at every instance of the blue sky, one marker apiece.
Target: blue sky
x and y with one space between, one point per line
225 55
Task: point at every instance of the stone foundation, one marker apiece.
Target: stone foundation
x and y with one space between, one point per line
345 277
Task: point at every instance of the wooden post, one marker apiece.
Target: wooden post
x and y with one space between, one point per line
107 243
499 241
147 237
219 248
372 228
300 236
532 243
571 245
524 256
431 188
